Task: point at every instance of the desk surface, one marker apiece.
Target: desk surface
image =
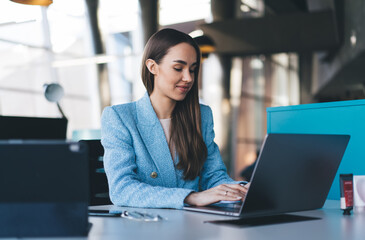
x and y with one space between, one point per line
191 225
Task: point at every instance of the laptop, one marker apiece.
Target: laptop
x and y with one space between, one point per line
294 172
44 189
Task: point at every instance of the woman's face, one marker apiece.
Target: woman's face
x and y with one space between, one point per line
174 76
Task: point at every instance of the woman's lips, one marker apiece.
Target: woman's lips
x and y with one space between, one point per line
183 89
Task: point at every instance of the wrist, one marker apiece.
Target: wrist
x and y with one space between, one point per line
190 198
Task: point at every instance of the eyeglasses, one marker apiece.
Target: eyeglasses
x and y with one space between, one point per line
138 216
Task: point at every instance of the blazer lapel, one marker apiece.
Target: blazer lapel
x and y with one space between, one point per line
154 138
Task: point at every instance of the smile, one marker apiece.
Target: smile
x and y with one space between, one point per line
183 89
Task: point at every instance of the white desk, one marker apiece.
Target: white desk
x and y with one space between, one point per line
184 225
190 225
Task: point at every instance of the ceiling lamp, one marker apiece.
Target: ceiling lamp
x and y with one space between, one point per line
34 2
204 42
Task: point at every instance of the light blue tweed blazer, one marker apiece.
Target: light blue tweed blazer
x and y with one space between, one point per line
135 146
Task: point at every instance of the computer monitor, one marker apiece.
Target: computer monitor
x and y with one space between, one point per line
44 189
13 127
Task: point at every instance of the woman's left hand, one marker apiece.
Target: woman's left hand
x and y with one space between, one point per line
223 192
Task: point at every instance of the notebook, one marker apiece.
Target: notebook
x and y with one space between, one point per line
44 189
294 172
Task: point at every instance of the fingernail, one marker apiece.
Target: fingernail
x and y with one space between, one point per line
239 197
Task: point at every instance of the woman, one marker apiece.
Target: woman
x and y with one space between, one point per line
160 150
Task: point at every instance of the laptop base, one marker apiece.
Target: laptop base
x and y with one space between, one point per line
262 221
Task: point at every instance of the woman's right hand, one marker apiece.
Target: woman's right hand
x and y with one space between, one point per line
223 192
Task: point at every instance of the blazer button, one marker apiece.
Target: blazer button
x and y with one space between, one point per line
153 174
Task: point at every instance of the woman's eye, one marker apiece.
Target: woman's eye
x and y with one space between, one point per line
192 70
178 69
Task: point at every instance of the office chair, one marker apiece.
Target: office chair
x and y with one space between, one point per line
99 189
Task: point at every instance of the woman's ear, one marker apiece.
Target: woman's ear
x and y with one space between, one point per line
151 66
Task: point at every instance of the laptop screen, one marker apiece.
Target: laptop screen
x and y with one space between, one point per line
294 172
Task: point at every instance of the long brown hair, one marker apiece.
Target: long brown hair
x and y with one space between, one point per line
185 129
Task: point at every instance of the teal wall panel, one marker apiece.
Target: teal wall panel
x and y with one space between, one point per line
345 117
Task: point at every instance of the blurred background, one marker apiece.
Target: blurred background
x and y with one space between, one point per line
258 54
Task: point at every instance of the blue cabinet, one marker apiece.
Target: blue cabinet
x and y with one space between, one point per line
345 117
